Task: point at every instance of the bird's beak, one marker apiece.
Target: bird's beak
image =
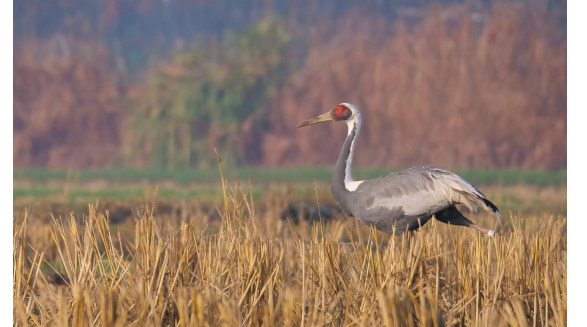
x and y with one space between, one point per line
318 119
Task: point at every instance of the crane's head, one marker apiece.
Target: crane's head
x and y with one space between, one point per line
341 112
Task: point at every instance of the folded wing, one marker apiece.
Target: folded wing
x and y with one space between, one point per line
419 192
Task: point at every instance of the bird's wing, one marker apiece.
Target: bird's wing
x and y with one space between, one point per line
421 191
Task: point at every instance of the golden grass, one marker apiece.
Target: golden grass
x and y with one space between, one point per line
254 269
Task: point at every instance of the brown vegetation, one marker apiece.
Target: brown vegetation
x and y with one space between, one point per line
253 269
67 105
455 91
449 86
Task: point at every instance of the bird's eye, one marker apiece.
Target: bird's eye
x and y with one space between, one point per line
341 112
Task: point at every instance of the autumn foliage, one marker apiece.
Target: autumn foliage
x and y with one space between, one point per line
448 86
448 91
67 106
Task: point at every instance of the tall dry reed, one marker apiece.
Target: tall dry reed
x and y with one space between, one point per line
255 270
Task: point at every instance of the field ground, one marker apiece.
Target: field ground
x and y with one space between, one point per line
503 177
155 251
513 191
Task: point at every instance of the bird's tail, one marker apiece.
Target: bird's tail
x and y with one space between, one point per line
475 200
489 206
471 197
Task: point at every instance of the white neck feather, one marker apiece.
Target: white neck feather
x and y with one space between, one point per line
354 123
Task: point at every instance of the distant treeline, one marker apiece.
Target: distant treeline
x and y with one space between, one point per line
461 86
306 175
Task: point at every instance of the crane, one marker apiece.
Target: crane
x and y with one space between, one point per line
400 201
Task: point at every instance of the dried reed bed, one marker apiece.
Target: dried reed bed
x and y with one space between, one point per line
252 269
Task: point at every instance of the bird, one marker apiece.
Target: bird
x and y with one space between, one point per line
402 201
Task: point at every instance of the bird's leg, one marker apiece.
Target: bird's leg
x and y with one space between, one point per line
452 216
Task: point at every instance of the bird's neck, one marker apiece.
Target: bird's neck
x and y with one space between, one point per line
342 179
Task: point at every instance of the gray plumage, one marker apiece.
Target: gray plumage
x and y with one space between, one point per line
400 201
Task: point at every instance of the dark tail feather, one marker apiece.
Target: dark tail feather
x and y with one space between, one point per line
493 208
490 204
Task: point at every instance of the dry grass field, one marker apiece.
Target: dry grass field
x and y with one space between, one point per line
250 268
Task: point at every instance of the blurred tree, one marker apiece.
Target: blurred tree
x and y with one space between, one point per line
464 85
457 87
197 100
67 105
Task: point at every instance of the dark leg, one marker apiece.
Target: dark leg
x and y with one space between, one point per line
452 216
416 223
409 224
